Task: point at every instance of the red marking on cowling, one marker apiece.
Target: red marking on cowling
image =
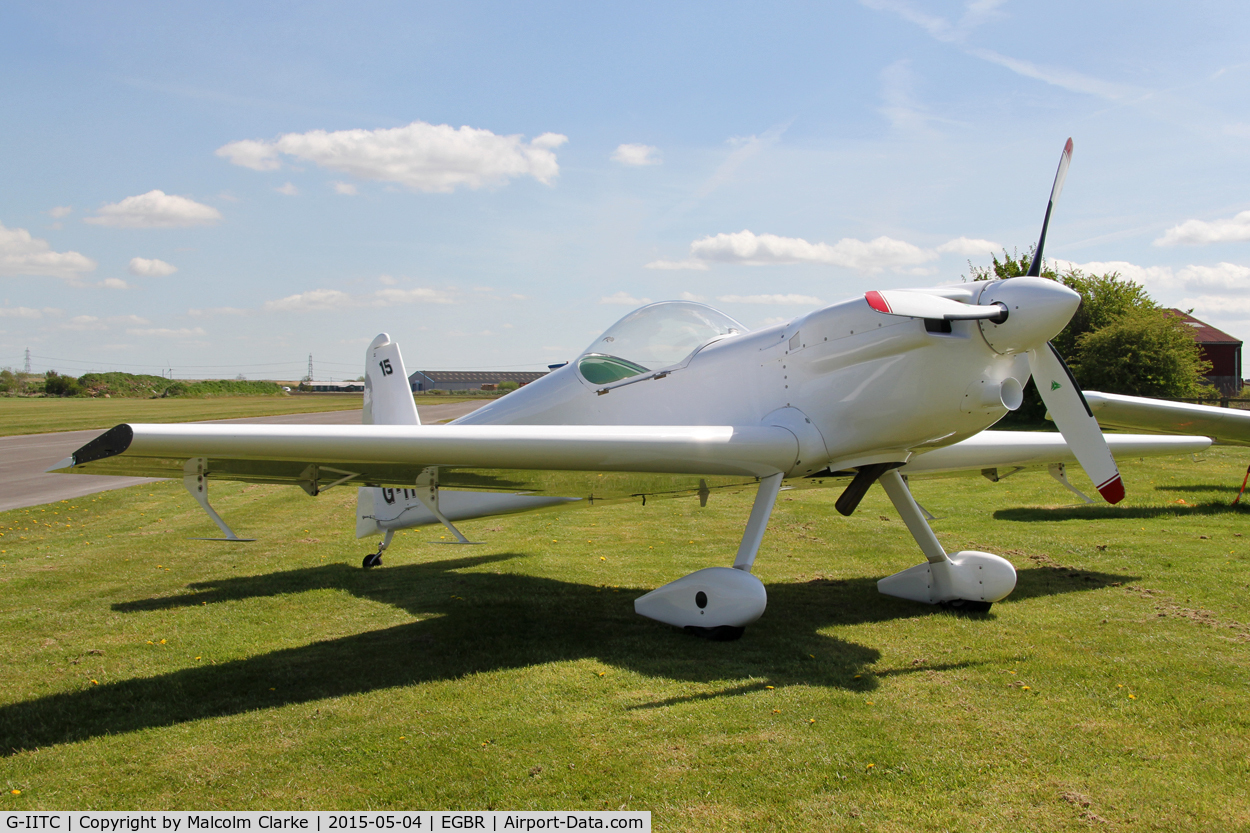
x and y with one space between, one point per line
1113 490
876 300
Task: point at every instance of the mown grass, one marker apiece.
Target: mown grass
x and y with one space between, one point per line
32 415
144 670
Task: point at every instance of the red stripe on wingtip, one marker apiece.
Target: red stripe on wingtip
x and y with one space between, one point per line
876 300
1067 148
1113 490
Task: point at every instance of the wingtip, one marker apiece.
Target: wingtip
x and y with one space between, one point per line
67 463
1067 148
876 300
1113 490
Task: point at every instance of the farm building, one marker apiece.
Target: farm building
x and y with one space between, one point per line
1221 350
423 380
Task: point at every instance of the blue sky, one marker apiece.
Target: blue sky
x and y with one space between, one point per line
226 188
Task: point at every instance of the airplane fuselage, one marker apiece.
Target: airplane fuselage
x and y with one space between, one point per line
874 387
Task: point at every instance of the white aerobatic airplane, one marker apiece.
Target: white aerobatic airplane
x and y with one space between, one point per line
677 398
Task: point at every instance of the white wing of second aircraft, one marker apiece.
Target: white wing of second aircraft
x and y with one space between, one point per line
1228 426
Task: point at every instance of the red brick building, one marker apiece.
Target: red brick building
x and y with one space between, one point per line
1221 350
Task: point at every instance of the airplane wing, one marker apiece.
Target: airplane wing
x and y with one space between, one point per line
1228 426
597 462
486 457
1025 449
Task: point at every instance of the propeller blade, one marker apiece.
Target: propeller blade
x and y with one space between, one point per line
1076 422
921 305
1035 268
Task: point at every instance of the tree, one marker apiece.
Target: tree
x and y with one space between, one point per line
508 386
1142 352
57 385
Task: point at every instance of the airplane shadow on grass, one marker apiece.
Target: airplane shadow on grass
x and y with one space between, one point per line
1111 513
482 622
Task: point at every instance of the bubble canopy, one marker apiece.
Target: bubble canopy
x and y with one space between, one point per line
654 337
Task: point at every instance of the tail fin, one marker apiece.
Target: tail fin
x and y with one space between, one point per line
388 393
388 401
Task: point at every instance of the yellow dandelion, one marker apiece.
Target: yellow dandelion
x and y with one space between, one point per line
197 657
150 642
162 642
870 702
15 792
870 766
273 689
1132 697
1119 685
402 737
1025 688
603 558
776 711
770 688
857 676
95 682
811 720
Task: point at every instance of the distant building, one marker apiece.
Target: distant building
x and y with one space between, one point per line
1221 350
338 387
423 380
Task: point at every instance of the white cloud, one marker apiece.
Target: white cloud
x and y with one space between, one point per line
61 211
969 247
636 155
153 268
1151 277
624 299
289 189
84 323
19 312
690 296
201 313
1218 305
748 247
804 300
132 320
166 332
1200 233
345 188
114 283
21 254
323 300
155 209
1220 276
688 263
420 156
386 297
259 156
316 300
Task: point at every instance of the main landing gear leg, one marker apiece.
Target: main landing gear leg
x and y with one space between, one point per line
968 580
719 602
374 559
427 493
195 480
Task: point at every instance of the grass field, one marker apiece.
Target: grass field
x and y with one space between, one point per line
21 415
143 670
